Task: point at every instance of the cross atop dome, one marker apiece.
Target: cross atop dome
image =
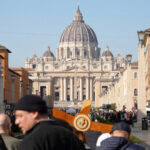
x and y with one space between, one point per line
78 16
48 48
107 48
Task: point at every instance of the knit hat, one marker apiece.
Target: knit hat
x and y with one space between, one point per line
31 103
122 126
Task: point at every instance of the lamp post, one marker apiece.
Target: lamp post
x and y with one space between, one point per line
141 35
128 58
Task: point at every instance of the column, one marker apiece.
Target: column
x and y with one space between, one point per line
71 89
87 88
65 90
74 52
60 53
81 92
61 90
98 102
75 88
57 54
130 102
91 89
51 92
141 84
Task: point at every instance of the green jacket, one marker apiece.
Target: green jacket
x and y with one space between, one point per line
10 142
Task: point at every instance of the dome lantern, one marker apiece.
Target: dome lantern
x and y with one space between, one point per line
78 16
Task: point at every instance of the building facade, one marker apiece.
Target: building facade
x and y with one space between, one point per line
147 64
13 81
124 90
78 71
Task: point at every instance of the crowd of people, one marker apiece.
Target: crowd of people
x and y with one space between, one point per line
114 116
111 116
40 132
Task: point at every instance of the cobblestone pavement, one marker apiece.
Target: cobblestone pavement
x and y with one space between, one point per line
144 135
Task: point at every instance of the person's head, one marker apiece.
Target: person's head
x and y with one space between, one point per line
5 124
121 129
30 110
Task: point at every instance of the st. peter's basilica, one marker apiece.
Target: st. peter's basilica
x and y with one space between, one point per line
79 71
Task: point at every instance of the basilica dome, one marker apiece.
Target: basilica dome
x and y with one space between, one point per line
78 31
78 40
48 53
107 53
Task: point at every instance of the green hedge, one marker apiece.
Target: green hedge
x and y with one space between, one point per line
133 139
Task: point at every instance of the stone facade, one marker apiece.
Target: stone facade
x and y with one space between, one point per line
74 74
147 64
124 90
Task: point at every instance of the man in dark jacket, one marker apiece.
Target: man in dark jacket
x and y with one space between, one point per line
120 139
41 133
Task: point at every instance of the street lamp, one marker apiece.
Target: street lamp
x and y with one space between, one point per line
141 36
129 58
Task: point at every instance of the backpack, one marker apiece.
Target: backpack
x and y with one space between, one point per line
2 144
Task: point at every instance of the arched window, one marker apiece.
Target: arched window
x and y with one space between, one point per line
56 81
135 92
135 75
34 66
78 53
85 54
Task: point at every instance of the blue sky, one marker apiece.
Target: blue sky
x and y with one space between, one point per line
28 27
